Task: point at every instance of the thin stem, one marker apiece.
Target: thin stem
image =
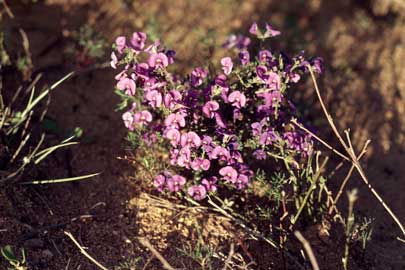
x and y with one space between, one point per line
308 250
84 252
353 157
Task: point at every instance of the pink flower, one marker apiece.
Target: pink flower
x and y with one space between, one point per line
242 181
138 40
221 153
220 122
114 60
174 136
264 56
200 164
120 43
154 98
209 108
184 157
128 120
227 65
197 76
237 99
253 29
273 81
191 139
171 99
176 183
229 174
128 85
271 32
159 182
175 120
142 118
197 192
210 183
157 60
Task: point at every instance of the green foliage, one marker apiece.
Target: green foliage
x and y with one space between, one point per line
91 41
11 258
132 263
4 58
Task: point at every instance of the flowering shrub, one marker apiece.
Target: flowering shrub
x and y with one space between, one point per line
217 127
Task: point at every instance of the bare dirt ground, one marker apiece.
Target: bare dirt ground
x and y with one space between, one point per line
364 52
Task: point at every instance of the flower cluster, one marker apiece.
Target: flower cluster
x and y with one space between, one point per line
216 126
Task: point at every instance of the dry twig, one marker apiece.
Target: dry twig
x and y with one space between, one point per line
145 242
84 252
308 250
351 153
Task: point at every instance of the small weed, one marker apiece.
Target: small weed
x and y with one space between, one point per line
15 263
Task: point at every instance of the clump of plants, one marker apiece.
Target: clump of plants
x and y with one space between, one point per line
220 127
23 107
229 131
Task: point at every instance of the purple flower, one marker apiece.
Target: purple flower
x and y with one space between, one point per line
120 43
244 57
267 137
190 139
174 136
230 42
218 119
184 157
197 192
159 182
128 120
197 76
261 72
176 183
114 60
229 174
170 55
271 32
171 99
154 98
210 183
143 118
138 40
294 77
257 128
237 99
142 70
207 144
273 81
242 181
210 108
254 29
128 85
220 153
158 60
260 154
150 84
317 65
175 120
265 56
241 42
227 65
237 114
200 164
271 99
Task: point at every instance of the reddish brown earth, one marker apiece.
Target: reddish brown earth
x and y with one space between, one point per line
364 86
